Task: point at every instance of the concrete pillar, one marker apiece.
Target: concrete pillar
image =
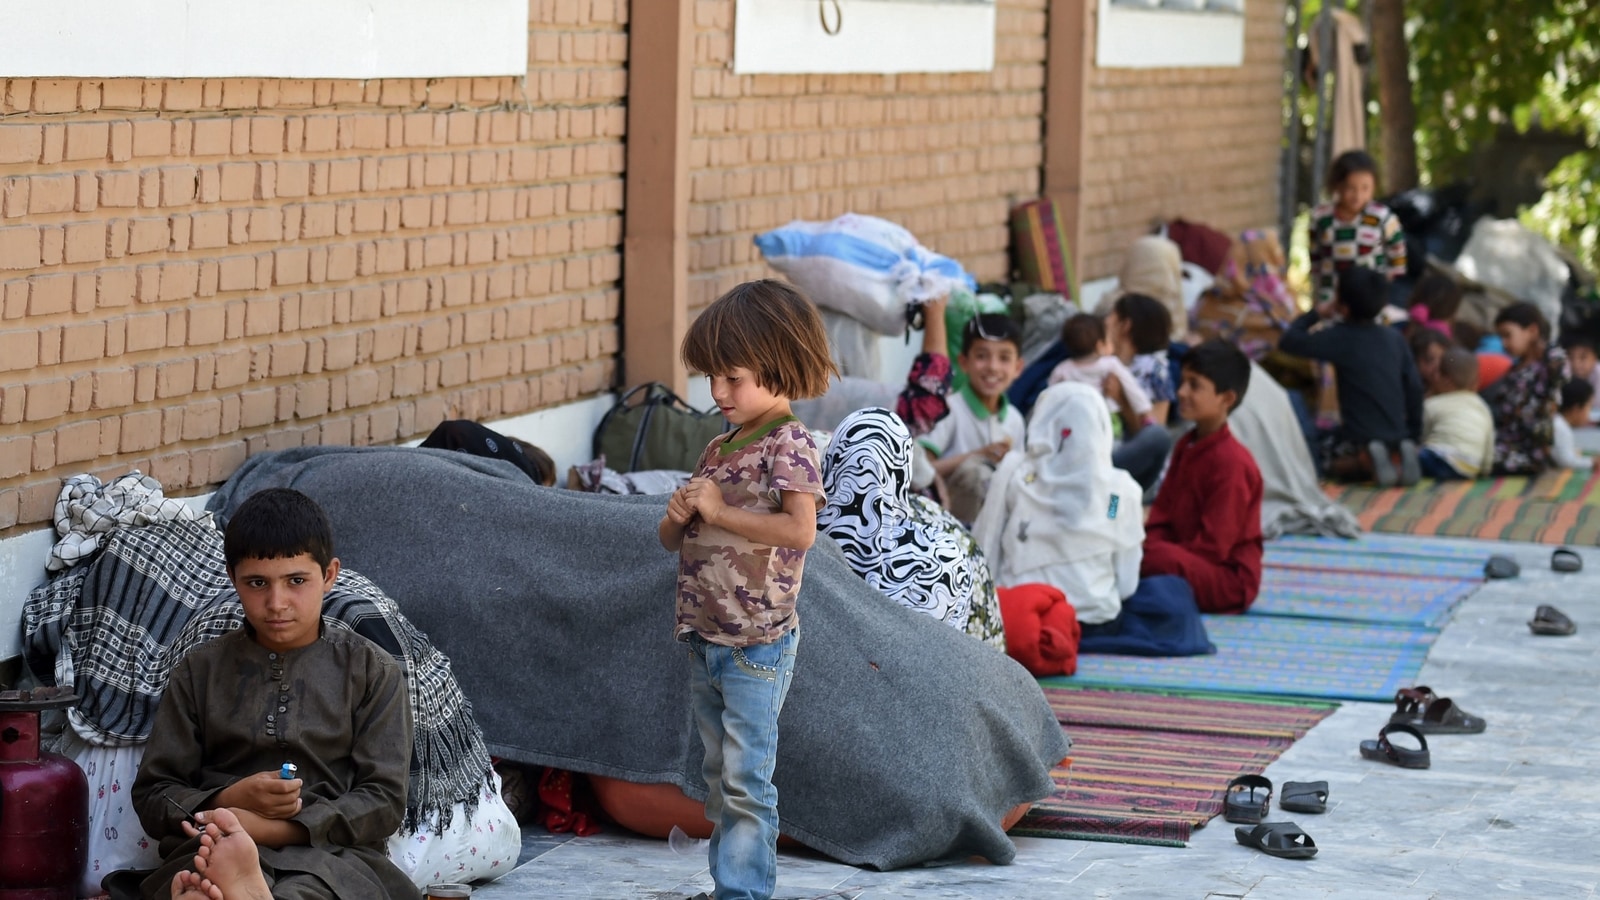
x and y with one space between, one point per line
655 242
1068 57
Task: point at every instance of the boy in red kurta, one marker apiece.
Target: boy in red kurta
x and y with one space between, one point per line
1205 525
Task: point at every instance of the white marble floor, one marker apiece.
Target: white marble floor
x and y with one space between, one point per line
1513 812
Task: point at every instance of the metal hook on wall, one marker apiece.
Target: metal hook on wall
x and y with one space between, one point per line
822 16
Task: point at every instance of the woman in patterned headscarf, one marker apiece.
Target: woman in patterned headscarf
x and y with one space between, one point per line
906 546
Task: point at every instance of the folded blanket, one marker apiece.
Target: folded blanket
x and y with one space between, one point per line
902 741
116 627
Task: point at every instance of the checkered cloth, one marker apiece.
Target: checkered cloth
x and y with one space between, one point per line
115 628
87 510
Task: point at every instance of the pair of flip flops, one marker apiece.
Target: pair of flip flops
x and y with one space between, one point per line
1428 713
1384 750
1551 621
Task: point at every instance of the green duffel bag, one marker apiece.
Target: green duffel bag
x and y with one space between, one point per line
653 428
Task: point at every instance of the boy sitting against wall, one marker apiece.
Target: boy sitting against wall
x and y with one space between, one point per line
1205 525
282 692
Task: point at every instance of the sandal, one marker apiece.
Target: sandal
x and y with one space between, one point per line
1284 840
1304 796
1565 559
1501 567
1404 757
1549 620
1429 713
1247 799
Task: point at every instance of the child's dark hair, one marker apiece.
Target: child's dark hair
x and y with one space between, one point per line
1574 341
1222 364
1439 295
1149 322
1460 367
1423 338
1525 315
768 327
1576 394
1082 334
278 523
991 327
1467 334
1349 163
1363 292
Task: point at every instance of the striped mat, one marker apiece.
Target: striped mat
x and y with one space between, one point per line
1561 507
1341 620
1149 768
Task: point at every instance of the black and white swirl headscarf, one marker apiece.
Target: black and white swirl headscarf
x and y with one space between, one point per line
910 556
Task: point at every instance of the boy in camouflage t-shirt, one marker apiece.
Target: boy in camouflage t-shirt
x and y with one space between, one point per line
742 526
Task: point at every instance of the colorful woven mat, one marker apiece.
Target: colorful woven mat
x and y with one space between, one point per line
1342 620
1149 768
1560 507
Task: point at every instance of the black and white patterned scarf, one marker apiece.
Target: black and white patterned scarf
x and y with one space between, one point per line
115 627
866 472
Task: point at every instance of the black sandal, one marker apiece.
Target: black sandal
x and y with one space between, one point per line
1284 840
1501 567
1304 796
1404 757
1549 620
1565 559
1247 799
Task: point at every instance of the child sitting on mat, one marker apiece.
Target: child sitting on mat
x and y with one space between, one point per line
1457 427
1575 399
1205 525
1525 400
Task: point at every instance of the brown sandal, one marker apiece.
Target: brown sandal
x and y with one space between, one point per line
1404 757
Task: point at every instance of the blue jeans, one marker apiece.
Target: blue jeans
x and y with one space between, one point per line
737 693
1437 467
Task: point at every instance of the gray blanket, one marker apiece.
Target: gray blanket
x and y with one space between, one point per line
902 742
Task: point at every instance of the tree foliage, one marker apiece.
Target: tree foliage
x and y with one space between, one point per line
1483 65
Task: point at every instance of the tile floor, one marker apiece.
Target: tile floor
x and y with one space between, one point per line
1513 812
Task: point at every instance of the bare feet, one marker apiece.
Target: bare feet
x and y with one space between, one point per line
189 886
228 866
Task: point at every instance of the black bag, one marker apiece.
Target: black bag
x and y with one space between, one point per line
653 428
470 437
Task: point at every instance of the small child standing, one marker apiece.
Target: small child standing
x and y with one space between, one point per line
741 527
1380 392
1457 427
1090 361
1353 231
1524 401
1575 399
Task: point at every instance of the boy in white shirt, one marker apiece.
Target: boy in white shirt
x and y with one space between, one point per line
1457 426
982 425
1576 396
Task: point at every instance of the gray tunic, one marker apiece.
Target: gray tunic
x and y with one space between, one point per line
338 709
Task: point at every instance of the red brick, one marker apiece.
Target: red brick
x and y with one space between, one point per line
113 388
88 140
21 143
141 431
47 399
86 242
18 350
15 453
83 341
152 137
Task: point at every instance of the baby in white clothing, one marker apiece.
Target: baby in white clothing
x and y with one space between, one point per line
1090 361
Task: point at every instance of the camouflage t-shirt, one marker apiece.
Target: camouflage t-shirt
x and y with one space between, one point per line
734 591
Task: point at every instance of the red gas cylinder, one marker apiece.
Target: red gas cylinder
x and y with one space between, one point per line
44 804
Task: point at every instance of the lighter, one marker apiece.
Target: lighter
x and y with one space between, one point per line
288 770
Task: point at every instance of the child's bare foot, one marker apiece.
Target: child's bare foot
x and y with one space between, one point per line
189 886
228 861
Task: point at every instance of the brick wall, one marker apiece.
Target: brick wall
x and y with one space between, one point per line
1198 143
945 155
195 270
